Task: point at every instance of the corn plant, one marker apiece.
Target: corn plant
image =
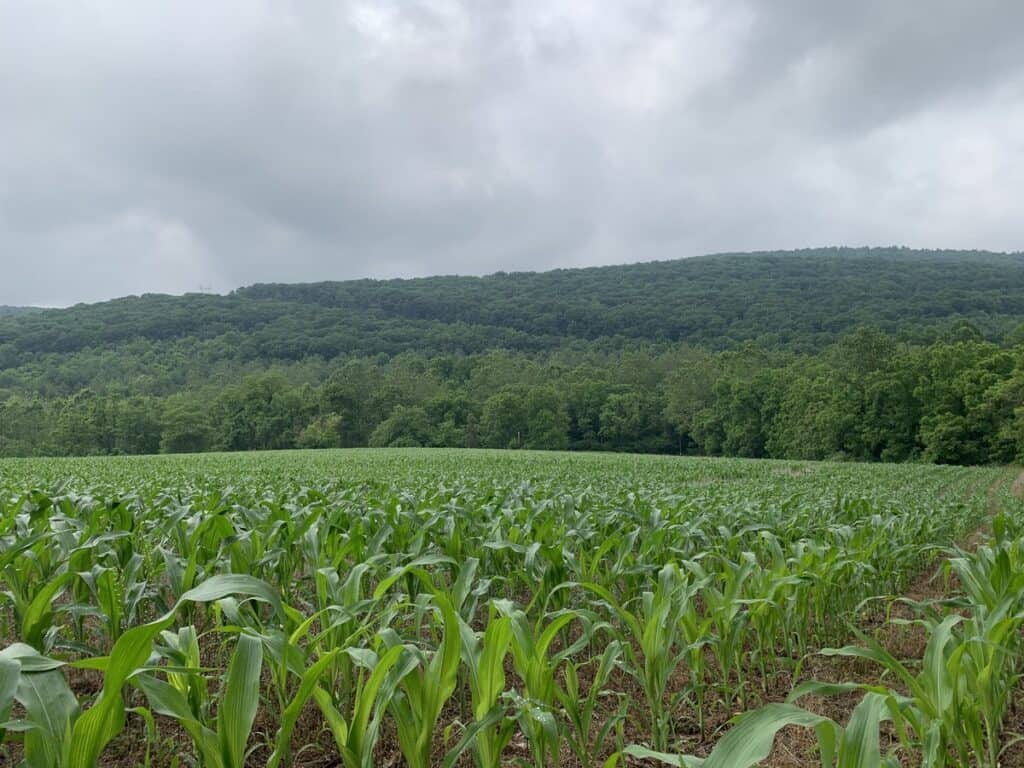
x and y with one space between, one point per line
50 708
393 590
956 702
587 736
356 734
425 687
223 743
537 664
484 655
722 593
72 738
654 650
115 596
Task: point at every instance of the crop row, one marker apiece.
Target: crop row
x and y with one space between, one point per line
556 615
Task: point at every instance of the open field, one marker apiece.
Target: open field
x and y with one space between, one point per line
443 607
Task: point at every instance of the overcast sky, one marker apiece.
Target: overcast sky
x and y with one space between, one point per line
173 146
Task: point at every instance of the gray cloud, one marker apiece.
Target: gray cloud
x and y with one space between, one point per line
150 146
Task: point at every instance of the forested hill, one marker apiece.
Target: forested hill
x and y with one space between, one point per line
6 311
762 355
796 299
800 300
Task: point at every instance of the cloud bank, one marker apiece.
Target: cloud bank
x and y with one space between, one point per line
172 147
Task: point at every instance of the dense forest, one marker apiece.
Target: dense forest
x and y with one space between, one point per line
881 354
12 311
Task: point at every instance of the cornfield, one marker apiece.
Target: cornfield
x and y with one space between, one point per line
473 608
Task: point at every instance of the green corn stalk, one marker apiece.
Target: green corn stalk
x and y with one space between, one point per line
290 716
484 657
348 613
695 634
222 744
958 698
50 708
722 594
25 579
288 659
375 687
424 689
181 651
581 707
538 668
116 595
93 729
37 615
655 629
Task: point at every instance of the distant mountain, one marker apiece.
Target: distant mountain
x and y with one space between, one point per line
795 300
6 311
761 354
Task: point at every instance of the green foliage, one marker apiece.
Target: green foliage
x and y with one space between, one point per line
222 743
883 354
866 398
406 427
799 300
509 606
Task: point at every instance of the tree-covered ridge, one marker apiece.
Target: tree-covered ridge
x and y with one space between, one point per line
801 300
867 355
6 311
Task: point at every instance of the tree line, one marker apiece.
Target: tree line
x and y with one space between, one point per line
869 396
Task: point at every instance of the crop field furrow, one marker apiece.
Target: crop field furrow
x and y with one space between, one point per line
474 608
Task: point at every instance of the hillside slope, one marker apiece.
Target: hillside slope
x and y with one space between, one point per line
6 311
759 355
796 300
